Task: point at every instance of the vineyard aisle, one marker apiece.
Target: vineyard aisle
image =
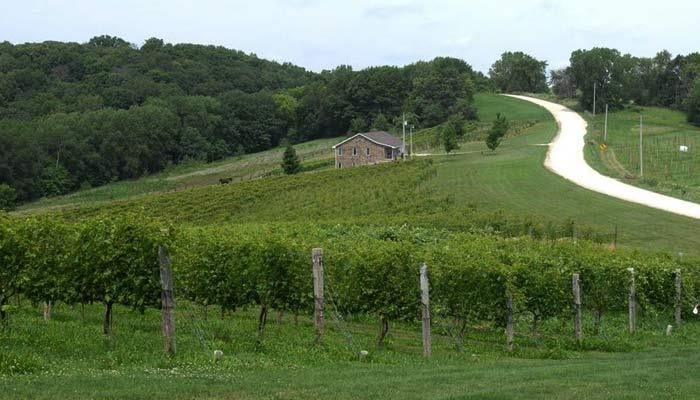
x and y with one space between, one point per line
565 158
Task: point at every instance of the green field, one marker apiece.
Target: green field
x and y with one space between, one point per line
665 168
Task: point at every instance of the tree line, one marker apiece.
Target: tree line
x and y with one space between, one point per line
82 115
620 79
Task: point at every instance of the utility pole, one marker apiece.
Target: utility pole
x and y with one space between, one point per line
605 138
412 142
595 86
403 125
641 154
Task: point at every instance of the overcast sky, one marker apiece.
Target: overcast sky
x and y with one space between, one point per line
323 34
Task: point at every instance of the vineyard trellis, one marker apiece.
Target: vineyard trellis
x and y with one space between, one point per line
114 261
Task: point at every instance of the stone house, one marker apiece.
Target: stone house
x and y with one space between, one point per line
367 148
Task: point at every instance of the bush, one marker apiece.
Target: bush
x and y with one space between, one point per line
8 196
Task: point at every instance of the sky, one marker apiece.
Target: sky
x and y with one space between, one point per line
321 35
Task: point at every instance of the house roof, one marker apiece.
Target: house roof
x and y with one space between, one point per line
379 137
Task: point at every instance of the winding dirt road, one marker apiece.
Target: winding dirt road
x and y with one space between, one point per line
565 158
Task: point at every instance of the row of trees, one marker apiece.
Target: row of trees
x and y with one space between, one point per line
618 79
375 272
79 115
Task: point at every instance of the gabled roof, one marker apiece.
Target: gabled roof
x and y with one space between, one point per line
379 137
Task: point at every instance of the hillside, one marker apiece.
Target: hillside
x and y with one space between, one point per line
78 116
508 190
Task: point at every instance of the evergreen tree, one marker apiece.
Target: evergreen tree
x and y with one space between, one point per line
497 132
290 161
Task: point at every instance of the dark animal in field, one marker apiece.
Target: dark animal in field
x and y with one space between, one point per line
225 181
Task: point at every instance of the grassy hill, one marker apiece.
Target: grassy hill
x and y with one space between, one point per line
475 188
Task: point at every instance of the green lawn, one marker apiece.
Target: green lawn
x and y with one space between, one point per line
515 180
66 358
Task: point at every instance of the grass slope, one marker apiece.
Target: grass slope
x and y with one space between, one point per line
314 155
444 192
666 169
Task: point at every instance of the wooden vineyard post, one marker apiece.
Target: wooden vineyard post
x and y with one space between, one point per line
425 308
47 310
678 298
577 307
509 320
317 257
632 303
167 300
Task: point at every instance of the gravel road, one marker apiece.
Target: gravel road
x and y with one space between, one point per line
565 158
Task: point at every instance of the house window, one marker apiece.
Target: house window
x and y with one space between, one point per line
340 151
389 153
368 151
340 165
354 151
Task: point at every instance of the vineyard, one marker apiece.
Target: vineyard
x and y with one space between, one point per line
667 168
501 237
114 261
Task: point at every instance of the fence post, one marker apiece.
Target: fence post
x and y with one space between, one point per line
509 320
317 258
167 300
47 310
425 307
678 298
632 303
577 307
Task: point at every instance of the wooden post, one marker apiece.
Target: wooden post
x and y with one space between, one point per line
317 258
509 320
47 310
678 298
577 307
632 303
167 301
425 307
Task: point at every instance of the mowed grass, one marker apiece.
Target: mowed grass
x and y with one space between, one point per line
515 180
69 359
665 168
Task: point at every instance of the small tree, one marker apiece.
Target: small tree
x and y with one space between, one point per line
497 132
456 122
290 161
449 139
8 195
